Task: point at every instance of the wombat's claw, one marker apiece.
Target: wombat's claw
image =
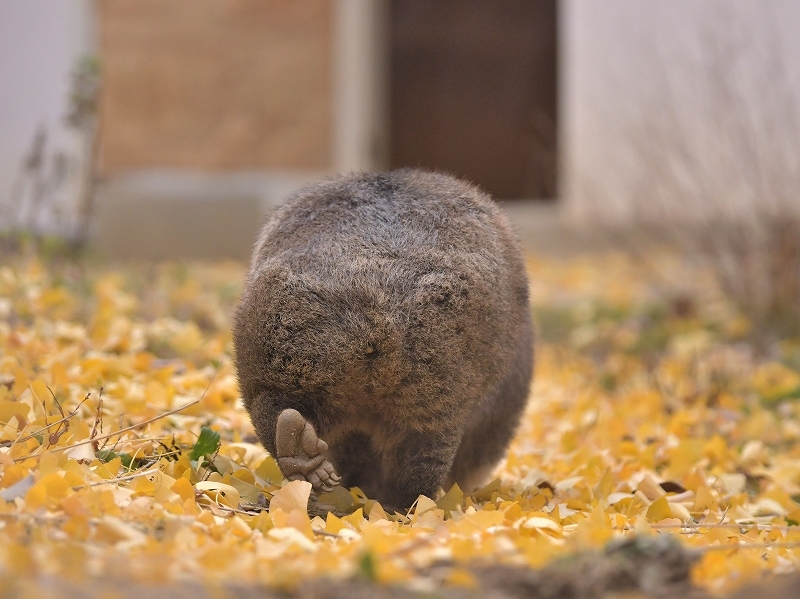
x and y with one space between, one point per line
301 452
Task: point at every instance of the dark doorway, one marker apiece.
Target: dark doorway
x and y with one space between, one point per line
473 92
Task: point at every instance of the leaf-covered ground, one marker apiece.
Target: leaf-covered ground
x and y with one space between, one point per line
125 453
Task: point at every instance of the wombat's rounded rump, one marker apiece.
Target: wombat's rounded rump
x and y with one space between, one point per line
391 311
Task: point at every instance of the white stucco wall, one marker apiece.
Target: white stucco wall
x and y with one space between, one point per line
644 115
41 41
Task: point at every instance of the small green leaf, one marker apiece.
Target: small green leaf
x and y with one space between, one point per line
207 444
127 461
367 566
106 455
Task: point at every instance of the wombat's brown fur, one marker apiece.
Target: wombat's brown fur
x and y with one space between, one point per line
391 311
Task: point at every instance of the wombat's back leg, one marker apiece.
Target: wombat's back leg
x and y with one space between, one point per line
490 431
357 462
417 465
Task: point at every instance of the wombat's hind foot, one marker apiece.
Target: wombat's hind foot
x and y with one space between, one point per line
301 454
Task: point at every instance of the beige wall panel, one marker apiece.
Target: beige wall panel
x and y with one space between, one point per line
216 85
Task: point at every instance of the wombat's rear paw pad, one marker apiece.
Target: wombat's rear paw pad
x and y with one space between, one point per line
301 452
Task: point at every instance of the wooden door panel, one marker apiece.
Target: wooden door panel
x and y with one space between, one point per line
473 91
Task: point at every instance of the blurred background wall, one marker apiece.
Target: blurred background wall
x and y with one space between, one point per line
216 86
679 108
210 113
41 43
569 110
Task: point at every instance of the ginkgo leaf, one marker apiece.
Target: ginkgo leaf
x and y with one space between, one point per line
81 453
18 489
292 496
220 493
659 510
540 522
247 492
451 500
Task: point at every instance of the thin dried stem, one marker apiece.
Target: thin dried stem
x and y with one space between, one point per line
120 479
98 419
52 424
114 434
126 429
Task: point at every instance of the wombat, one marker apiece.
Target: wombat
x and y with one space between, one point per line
388 315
